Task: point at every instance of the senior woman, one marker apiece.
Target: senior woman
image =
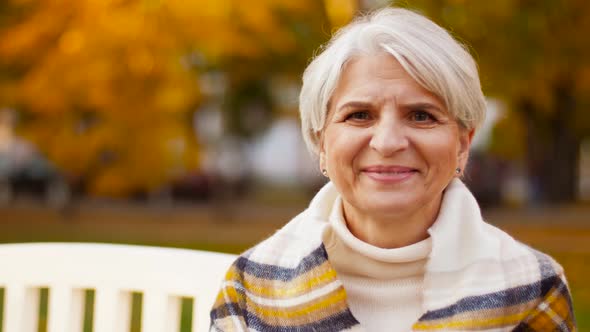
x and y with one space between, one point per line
394 241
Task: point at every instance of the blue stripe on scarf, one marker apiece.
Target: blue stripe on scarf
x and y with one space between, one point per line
502 299
341 321
273 272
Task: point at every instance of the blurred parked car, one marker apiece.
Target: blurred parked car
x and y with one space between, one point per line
25 172
194 187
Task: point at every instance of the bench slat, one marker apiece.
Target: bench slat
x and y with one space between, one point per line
112 310
201 307
65 309
21 313
161 313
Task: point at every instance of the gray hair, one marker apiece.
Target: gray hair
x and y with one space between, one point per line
425 50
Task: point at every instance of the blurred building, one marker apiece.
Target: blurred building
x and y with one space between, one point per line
280 156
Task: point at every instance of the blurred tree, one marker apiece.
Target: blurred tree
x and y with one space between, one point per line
535 56
285 44
106 88
101 90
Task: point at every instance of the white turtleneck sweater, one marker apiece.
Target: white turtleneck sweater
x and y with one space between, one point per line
383 286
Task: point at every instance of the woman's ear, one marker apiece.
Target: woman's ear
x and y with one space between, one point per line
322 151
322 160
465 138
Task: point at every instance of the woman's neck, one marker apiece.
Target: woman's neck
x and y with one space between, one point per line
391 231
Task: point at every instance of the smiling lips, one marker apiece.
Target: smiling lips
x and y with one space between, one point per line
389 174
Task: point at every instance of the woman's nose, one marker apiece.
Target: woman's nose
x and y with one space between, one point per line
388 137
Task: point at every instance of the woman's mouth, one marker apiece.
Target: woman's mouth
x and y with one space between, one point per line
389 174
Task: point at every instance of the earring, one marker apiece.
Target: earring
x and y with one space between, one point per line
458 170
324 172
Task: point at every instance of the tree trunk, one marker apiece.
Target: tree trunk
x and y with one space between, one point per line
552 149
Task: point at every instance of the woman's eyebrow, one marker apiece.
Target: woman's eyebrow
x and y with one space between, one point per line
424 105
354 104
416 105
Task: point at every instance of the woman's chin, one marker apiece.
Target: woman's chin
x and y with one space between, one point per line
392 204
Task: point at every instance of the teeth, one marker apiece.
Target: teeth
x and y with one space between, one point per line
393 172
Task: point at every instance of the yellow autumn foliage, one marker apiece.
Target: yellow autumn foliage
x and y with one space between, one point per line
105 87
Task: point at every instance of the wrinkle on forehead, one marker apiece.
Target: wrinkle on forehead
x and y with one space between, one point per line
357 82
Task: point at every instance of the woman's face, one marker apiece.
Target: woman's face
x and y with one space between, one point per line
389 146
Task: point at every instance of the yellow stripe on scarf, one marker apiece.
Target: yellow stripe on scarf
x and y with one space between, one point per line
329 302
290 289
472 323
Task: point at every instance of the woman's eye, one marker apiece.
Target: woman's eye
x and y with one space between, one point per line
422 116
361 115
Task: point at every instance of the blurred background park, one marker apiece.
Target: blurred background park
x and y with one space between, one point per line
174 123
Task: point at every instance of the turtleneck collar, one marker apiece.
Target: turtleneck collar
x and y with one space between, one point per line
352 257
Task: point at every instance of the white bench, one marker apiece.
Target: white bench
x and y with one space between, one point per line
162 275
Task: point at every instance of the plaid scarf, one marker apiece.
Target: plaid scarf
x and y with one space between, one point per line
477 278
